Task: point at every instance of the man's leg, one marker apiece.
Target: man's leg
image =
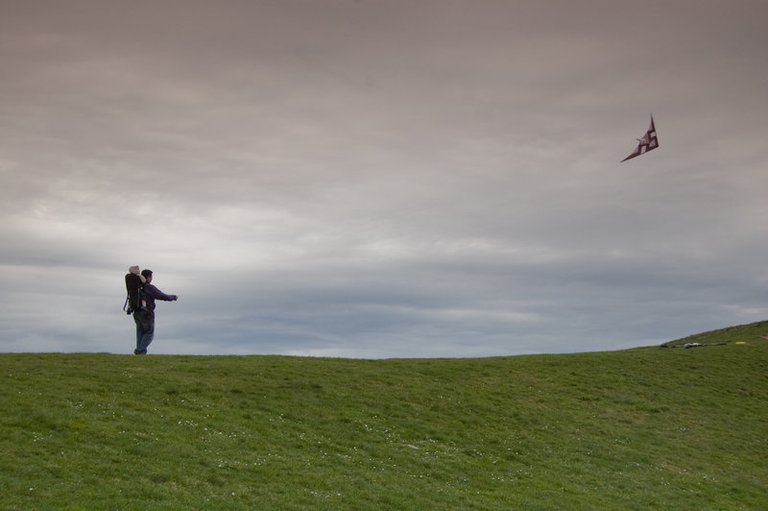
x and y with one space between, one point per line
139 331
148 331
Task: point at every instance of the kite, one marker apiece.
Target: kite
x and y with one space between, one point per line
649 142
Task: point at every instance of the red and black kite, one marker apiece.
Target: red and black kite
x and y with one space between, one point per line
649 142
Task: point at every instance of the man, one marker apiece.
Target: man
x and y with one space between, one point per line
145 315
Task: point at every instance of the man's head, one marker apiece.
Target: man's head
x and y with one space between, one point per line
147 274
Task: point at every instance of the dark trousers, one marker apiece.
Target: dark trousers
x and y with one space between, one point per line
145 330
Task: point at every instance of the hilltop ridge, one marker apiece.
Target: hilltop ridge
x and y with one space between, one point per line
751 332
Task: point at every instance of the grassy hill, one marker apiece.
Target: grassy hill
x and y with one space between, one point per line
649 428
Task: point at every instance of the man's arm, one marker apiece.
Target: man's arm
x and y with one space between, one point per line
156 294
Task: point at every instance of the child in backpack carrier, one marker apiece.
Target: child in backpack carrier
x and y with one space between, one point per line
134 281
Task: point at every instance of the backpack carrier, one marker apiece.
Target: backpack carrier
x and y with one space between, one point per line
133 284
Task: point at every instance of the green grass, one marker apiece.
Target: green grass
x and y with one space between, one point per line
648 428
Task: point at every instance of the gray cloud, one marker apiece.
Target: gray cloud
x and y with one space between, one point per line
379 179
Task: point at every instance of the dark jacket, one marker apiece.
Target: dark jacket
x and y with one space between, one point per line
150 293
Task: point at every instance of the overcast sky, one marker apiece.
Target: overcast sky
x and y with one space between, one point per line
382 178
